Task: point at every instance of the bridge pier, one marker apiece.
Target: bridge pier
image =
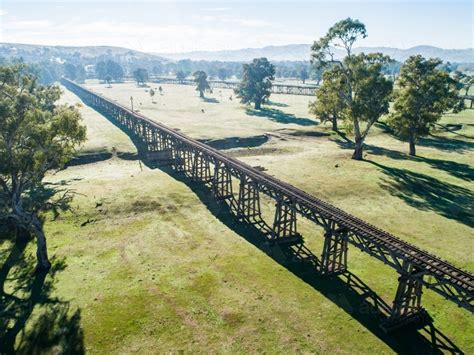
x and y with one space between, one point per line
201 170
222 182
334 255
407 304
284 223
248 204
157 147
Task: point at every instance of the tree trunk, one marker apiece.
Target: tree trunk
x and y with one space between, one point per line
258 104
23 235
43 263
358 150
334 121
359 141
412 146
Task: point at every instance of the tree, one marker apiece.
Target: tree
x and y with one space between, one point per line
70 71
316 73
157 68
303 75
141 76
36 136
367 92
330 104
109 70
181 76
425 91
256 82
466 81
152 94
114 70
223 73
80 73
200 78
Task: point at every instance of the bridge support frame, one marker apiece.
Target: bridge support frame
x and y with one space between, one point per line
201 170
248 204
222 182
334 255
284 224
407 304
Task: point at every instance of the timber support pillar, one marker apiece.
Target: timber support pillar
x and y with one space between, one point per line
407 304
284 223
334 255
179 152
248 204
201 170
157 149
222 182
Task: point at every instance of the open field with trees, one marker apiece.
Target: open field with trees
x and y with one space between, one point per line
120 235
168 271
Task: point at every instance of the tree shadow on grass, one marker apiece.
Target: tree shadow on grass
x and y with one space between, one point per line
280 116
458 170
210 100
427 193
347 291
434 141
23 329
276 104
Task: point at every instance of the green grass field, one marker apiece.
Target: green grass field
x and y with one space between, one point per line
146 263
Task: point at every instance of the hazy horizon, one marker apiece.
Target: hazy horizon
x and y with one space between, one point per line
179 26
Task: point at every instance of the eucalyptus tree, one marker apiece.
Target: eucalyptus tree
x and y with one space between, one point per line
200 78
256 82
367 92
36 136
424 92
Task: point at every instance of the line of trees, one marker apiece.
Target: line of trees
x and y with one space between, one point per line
358 91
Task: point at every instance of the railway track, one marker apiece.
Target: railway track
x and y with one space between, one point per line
439 275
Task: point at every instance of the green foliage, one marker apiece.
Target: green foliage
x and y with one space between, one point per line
181 75
465 81
303 74
343 34
200 78
109 70
36 136
362 89
223 73
141 76
70 71
74 72
330 101
256 82
425 91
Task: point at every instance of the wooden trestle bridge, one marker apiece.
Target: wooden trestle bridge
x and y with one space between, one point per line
417 268
289 89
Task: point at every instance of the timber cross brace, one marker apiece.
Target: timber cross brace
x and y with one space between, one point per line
207 165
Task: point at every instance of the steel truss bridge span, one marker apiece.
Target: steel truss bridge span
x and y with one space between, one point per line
416 267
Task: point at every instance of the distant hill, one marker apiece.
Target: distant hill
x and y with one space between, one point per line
294 52
35 52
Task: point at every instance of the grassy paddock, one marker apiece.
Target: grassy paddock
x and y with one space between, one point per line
147 263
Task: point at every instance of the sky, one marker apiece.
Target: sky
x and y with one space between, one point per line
182 26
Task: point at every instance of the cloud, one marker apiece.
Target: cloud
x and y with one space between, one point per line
227 19
227 33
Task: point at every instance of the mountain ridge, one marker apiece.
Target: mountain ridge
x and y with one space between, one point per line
293 52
